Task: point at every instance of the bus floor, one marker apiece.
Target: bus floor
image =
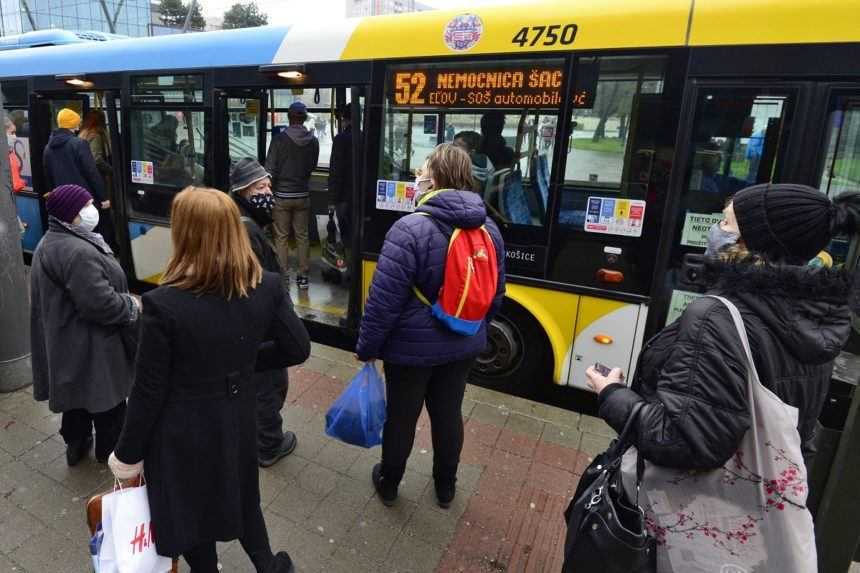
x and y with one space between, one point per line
324 301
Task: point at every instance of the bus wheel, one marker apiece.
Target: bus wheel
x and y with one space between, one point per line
517 352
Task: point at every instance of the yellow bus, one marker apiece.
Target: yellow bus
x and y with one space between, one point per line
613 133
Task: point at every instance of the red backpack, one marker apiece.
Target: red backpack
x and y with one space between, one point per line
470 281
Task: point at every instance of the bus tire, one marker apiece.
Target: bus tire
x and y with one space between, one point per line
518 354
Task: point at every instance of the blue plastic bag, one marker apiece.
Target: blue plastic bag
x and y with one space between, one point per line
358 415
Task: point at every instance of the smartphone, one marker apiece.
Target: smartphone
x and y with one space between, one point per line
603 370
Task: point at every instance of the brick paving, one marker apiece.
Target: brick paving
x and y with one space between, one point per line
520 464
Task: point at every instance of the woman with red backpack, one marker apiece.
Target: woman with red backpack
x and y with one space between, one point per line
439 281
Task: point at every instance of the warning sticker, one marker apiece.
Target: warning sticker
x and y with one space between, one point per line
615 216
142 172
680 300
696 228
395 196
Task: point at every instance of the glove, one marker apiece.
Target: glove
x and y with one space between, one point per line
122 470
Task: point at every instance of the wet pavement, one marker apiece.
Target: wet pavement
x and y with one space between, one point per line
520 465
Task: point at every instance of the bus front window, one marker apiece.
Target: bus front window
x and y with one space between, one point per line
503 114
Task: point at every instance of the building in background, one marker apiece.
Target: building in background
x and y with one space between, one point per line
377 7
128 18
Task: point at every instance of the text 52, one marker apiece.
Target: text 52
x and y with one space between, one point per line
545 35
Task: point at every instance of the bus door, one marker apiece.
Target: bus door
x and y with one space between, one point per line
43 121
243 117
333 283
838 171
18 136
737 135
165 141
614 184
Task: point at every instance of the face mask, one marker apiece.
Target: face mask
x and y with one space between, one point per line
718 239
263 202
89 217
10 140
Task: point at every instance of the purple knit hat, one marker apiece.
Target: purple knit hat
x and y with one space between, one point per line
66 201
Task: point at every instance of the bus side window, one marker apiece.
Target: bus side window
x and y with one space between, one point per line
612 150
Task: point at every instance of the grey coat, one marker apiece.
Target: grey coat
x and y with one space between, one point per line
82 321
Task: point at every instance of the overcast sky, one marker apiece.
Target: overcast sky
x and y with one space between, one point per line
287 11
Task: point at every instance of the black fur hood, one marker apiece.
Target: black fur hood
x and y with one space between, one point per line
806 307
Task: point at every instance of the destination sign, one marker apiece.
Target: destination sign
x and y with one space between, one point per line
527 86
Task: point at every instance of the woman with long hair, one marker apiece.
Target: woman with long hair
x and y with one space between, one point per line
191 424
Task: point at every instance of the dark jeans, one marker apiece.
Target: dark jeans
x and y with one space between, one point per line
272 388
78 424
255 542
408 388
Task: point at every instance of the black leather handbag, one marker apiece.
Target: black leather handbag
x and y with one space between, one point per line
605 529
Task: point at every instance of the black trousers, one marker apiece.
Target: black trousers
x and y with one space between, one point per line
255 542
272 387
78 424
408 388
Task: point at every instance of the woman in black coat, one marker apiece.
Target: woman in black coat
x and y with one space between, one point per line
692 376
192 412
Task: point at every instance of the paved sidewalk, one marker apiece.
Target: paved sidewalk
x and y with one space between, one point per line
521 461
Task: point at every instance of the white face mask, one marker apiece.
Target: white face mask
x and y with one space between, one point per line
89 217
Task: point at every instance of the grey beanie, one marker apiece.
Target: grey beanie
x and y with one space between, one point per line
245 173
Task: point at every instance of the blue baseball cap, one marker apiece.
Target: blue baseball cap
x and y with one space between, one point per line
298 108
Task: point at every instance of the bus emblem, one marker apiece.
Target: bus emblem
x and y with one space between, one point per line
463 32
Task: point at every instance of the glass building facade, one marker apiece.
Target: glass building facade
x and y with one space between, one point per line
19 16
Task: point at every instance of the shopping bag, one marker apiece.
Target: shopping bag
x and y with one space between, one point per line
129 538
358 415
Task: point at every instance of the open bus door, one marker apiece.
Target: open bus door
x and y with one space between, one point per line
43 121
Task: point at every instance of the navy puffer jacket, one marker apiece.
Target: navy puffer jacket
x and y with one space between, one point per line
399 328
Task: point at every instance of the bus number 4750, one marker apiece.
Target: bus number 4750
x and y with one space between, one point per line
551 35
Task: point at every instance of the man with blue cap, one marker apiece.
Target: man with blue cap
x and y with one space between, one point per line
292 157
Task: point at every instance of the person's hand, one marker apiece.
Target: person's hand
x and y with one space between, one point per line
105 204
123 471
371 361
597 381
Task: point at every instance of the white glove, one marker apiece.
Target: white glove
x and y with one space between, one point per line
123 470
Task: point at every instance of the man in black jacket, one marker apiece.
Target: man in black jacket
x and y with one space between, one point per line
251 188
69 161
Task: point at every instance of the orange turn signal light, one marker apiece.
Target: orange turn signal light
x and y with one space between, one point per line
603 339
608 276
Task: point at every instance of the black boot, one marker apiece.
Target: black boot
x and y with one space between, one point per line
283 563
386 489
446 489
77 450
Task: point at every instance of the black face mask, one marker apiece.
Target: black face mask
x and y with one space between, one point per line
262 203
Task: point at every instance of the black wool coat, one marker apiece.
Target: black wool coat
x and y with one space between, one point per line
692 376
192 411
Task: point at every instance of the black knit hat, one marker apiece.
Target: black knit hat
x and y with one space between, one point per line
245 173
787 221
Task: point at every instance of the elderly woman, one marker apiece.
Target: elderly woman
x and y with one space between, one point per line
83 324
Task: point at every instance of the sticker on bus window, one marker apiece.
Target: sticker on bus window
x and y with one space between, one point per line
142 172
395 196
612 216
696 228
681 299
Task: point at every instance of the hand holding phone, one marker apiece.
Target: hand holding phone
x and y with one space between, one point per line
603 370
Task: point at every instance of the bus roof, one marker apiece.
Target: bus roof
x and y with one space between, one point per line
600 24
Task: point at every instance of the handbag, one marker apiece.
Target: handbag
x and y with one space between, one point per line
605 529
122 537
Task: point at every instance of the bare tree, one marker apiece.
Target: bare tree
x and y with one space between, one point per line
111 21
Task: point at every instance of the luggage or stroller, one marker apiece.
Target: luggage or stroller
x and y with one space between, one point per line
334 267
